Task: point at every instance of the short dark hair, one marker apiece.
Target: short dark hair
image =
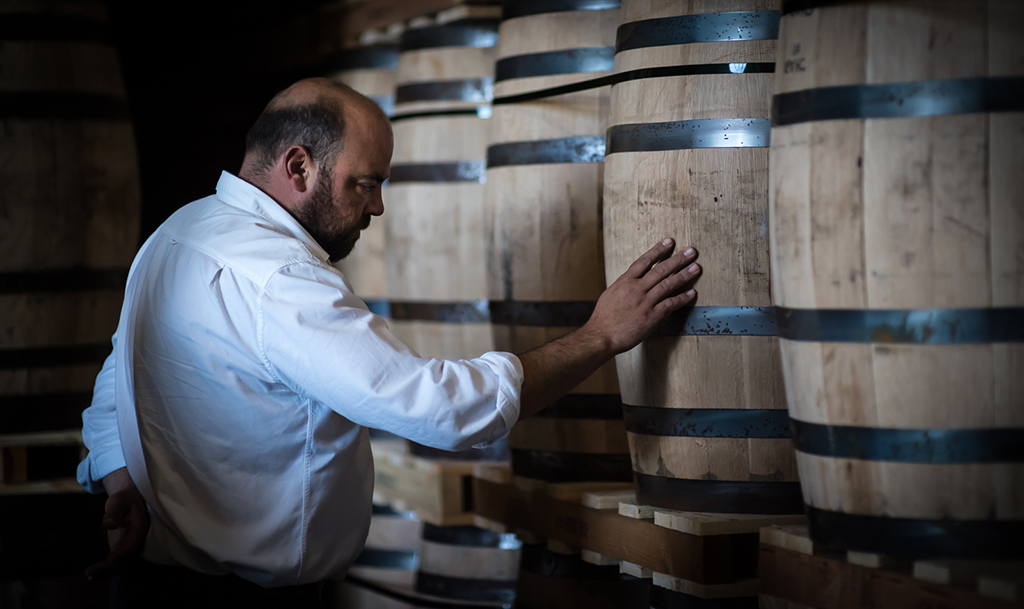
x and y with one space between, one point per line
318 127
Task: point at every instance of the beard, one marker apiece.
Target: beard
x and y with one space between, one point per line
320 219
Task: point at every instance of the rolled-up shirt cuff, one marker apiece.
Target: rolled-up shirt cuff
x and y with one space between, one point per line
97 465
510 383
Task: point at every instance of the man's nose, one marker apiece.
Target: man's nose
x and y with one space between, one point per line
376 207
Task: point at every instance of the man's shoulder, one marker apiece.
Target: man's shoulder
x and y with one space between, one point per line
240 239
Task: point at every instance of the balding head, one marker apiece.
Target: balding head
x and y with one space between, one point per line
322 152
312 113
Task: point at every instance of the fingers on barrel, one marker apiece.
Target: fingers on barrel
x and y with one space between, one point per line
651 257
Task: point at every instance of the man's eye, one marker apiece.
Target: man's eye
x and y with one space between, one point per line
368 186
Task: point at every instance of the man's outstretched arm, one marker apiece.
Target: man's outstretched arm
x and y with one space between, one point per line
648 292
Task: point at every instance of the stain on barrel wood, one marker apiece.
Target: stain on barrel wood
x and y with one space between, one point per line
687 158
896 164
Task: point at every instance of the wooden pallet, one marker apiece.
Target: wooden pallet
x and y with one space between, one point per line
701 549
17 452
439 491
796 573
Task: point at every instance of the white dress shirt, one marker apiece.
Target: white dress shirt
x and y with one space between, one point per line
243 376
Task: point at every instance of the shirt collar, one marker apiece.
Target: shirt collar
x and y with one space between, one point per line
241 194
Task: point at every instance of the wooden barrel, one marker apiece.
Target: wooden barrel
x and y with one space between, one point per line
544 175
373 71
392 546
898 267
468 563
69 221
434 199
687 158
549 580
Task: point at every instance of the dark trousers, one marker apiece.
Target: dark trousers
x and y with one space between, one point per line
145 585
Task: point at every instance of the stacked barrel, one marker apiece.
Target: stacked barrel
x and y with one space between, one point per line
435 253
372 71
897 237
687 158
544 176
69 203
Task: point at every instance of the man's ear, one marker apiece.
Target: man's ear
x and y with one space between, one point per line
299 168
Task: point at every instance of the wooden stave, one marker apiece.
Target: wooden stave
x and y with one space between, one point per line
877 504
71 221
468 563
644 373
391 550
549 453
417 232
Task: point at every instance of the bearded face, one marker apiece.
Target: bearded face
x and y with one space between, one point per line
326 222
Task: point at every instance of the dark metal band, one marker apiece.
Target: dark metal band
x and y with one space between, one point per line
477 33
719 321
605 406
912 326
477 90
687 135
640 74
469 536
474 311
379 509
701 27
663 598
388 559
537 559
62 105
57 28
568 61
475 112
936 446
63 280
42 357
578 149
405 596
458 171
43 412
900 100
698 423
719 495
366 58
378 307
571 467
525 8
918 538
495 452
540 313
490 590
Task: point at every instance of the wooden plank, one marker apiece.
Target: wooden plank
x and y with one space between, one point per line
606 500
1005 583
706 560
703 523
954 572
746 587
595 558
874 560
435 490
829 582
632 509
794 537
630 568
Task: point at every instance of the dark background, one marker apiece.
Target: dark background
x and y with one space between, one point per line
197 75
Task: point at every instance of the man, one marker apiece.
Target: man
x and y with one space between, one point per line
230 417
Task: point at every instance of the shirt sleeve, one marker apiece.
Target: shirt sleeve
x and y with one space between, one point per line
100 432
318 339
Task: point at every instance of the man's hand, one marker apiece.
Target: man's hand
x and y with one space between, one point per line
652 288
127 522
643 296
